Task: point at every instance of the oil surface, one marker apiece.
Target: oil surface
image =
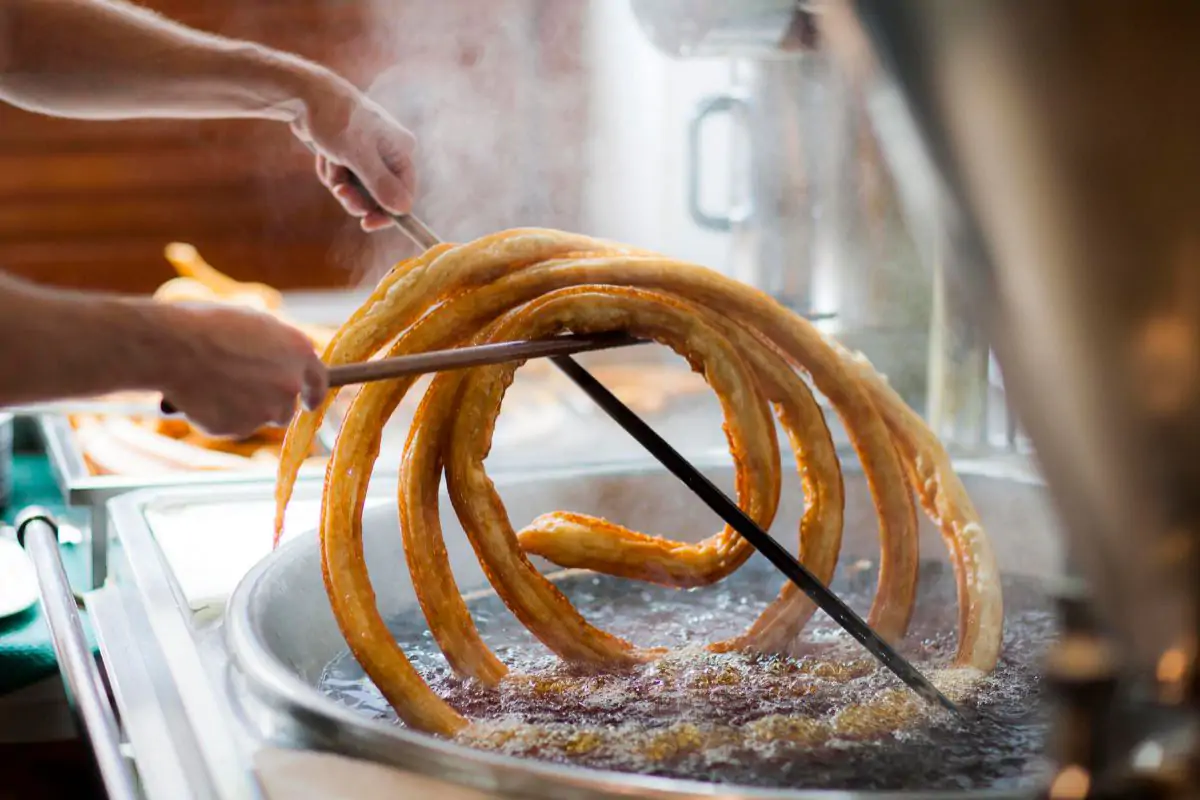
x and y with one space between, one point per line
822 717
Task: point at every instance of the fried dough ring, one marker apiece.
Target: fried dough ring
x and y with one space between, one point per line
473 400
425 552
455 291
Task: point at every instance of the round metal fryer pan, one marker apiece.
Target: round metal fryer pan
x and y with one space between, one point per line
282 634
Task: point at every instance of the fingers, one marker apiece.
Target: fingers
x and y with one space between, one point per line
376 221
371 217
339 181
353 200
379 152
323 167
316 384
262 384
390 176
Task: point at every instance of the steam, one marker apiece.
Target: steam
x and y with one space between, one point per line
496 96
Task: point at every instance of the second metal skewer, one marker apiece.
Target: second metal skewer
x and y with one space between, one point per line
729 511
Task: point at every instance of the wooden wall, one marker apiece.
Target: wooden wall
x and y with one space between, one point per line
495 91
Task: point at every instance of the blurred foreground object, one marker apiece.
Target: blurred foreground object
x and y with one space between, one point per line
1064 161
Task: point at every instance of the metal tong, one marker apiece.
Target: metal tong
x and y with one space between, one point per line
722 504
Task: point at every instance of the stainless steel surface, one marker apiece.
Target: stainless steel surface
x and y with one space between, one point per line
473 356
282 633
783 145
959 401
181 726
146 698
706 28
814 218
737 106
80 488
84 685
1064 138
6 458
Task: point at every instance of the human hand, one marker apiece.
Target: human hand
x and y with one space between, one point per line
232 371
352 134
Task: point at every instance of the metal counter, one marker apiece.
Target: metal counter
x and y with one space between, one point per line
187 725
167 665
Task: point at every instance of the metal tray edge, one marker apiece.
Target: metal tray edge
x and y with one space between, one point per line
80 488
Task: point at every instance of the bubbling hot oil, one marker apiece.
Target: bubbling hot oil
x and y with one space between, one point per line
824 716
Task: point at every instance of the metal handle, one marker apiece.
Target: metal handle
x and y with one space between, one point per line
38 533
713 104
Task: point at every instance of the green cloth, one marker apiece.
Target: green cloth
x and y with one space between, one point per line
26 655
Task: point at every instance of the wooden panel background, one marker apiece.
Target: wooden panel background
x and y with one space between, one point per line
495 91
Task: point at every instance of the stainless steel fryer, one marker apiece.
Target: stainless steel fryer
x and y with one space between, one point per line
280 632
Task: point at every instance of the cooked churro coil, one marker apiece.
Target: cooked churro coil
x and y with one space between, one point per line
749 349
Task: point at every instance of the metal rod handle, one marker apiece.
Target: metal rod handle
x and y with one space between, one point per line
38 533
474 356
414 228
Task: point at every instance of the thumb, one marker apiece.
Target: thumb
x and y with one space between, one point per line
389 174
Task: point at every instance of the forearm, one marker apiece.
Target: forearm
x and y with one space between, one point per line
105 59
57 344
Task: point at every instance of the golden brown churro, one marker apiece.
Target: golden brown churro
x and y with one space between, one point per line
534 283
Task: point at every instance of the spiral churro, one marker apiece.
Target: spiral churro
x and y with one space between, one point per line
534 283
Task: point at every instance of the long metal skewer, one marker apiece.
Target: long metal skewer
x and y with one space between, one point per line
726 508
479 355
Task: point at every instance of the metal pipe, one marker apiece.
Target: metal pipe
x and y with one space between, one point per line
88 699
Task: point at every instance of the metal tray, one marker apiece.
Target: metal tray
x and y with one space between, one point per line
81 489
281 633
